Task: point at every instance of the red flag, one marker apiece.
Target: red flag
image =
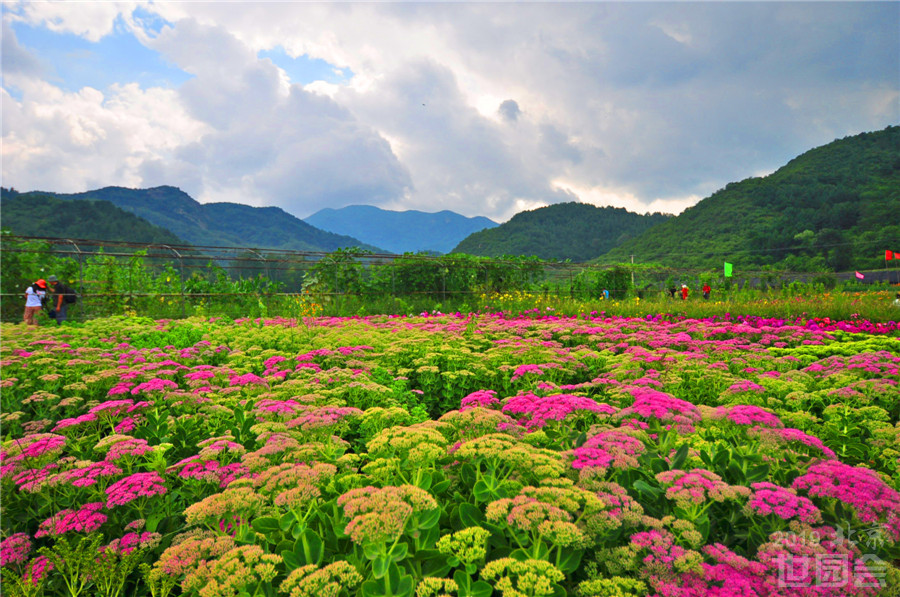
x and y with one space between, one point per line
888 255
859 275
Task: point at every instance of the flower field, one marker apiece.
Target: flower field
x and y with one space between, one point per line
456 455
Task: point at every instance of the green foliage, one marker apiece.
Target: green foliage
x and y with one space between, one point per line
37 214
834 208
564 231
212 224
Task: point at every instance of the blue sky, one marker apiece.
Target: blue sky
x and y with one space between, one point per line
480 108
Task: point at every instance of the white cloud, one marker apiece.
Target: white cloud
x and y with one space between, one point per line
650 106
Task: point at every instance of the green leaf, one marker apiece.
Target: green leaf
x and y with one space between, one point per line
310 548
265 525
286 521
569 560
398 552
428 519
380 566
644 487
439 488
470 515
679 458
290 560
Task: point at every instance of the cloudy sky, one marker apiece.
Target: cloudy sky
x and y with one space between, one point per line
481 108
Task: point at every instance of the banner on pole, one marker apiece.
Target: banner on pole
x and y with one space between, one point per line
860 276
888 255
728 270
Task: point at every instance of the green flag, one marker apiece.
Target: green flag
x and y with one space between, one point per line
727 270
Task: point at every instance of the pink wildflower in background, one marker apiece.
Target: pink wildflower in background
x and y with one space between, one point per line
155 385
323 416
75 421
247 379
15 549
86 519
131 541
536 411
856 486
278 407
687 488
112 408
90 474
134 487
480 398
652 404
745 414
37 570
768 499
790 434
608 449
33 480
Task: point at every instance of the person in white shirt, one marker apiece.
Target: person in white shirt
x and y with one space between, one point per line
34 297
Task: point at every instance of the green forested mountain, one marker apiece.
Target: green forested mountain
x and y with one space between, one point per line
217 224
836 207
36 214
575 231
400 231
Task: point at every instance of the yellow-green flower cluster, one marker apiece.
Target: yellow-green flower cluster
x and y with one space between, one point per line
333 580
238 568
469 545
514 578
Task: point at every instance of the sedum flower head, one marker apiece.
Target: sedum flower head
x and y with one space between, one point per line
514 578
330 581
436 587
692 487
469 545
238 568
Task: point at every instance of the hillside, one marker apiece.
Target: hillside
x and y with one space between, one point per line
575 231
400 231
836 207
218 224
35 214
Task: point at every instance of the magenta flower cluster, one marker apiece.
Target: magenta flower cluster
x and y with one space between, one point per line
86 519
536 411
133 487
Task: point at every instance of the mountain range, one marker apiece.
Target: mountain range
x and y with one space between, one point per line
216 224
400 231
835 207
574 231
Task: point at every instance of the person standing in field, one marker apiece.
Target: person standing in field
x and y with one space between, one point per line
684 292
60 297
34 298
706 291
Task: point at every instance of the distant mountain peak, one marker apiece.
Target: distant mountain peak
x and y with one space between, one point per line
400 231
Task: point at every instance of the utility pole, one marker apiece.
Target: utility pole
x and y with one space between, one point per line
632 271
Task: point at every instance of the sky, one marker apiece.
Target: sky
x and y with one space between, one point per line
480 108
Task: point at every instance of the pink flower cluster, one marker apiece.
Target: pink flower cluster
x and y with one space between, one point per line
15 549
856 486
324 416
653 404
784 503
90 474
134 487
86 519
523 370
480 399
154 385
131 541
608 449
536 411
247 379
745 414
698 485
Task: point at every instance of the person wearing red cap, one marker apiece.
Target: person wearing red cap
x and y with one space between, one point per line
34 297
